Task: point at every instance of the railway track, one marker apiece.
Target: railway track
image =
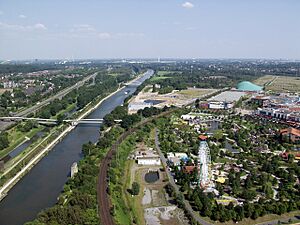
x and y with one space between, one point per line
104 204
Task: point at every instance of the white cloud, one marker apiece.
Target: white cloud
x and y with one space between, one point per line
16 27
187 5
83 28
192 28
40 26
22 16
104 35
130 35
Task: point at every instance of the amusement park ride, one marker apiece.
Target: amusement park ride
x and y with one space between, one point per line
204 164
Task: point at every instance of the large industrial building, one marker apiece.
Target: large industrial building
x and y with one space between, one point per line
225 100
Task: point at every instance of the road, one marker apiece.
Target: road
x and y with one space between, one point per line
278 221
102 185
56 96
5 188
34 108
188 207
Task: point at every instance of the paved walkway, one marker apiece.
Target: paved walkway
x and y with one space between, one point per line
188 207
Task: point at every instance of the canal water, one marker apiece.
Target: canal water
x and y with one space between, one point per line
40 188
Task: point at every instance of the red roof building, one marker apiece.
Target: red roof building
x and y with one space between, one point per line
189 169
291 133
202 137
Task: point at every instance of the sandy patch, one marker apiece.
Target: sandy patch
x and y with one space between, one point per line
147 197
153 215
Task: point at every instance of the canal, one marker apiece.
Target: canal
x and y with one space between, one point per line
40 188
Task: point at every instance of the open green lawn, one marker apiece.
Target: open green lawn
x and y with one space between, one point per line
161 75
259 220
17 137
195 92
279 83
156 78
134 202
264 80
122 211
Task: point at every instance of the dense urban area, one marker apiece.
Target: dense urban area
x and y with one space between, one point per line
192 141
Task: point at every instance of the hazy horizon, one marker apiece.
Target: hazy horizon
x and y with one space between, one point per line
142 29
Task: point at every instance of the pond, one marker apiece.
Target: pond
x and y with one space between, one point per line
23 146
152 176
154 102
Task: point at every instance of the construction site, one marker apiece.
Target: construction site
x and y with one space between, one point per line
148 98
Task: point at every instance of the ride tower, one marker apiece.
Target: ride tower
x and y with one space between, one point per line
204 163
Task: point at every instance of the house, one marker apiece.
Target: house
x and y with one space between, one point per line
189 169
291 134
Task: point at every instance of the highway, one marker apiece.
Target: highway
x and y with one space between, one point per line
34 108
5 188
56 96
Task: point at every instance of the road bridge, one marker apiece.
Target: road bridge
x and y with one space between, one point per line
55 121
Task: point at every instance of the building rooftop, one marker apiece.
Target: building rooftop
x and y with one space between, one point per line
290 130
248 86
227 96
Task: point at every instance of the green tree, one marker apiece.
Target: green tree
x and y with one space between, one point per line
135 189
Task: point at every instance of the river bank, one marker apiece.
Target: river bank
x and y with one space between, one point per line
86 111
45 180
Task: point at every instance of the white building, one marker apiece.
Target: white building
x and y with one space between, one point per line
220 105
180 155
153 161
74 169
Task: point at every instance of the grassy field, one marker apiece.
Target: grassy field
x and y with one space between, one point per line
122 213
17 137
161 75
195 92
135 202
279 83
263 219
262 81
156 78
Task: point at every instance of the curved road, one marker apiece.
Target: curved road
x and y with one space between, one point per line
102 185
188 207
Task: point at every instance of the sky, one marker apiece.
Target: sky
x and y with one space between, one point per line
97 29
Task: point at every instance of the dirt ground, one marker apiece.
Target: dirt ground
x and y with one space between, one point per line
156 205
176 98
2 90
